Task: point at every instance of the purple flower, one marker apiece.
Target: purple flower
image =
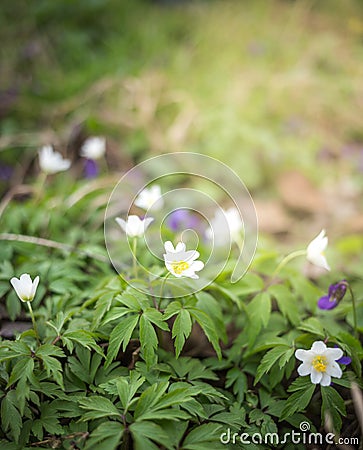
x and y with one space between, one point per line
345 360
90 168
335 295
182 219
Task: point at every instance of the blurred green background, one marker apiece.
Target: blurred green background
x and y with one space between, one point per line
274 88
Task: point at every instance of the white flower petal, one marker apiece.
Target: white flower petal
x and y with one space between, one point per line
94 148
302 355
304 369
147 222
325 380
315 376
196 266
169 247
121 222
180 247
334 370
334 353
318 347
35 286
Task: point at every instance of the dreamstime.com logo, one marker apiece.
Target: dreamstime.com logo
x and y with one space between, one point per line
192 182
304 436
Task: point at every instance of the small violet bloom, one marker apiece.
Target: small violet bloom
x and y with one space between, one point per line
315 251
52 162
182 263
182 219
320 362
91 168
335 294
150 197
24 287
134 226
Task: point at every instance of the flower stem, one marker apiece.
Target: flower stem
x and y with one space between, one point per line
42 178
33 320
355 326
162 289
287 259
134 259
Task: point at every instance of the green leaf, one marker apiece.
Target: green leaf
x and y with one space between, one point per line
10 416
313 325
203 437
236 378
121 335
51 364
148 340
208 327
298 401
258 311
270 358
23 369
97 407
148 430
182 328
332 405
286 302
127 388
106 436
82 337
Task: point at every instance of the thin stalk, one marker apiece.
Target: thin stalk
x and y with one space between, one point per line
41 182
355 325
287 259
162 289
134 259
33 320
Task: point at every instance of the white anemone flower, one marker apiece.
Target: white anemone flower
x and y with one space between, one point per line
230 216
52 162
134 226
182 263
320 363
94 147
315 251
24 287
150 197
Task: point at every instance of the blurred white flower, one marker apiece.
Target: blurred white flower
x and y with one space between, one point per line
52 162
320 363
94 147
315 251
182 263
134 226
150 197
218 230
24 287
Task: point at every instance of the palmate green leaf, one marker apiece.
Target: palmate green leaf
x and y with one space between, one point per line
298 401
10 416
107 435
238 381
23 369
155 317
270 358
46 353
332 405
134 299
82 337
182 328
148 340
259 312
84 365
148 431
103 305
97 407
48 421
150 397
127 389
203 437
286 302
208 327
121 335
212 308
313 325
13 349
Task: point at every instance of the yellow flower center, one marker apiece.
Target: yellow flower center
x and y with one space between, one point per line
179 266
320 363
